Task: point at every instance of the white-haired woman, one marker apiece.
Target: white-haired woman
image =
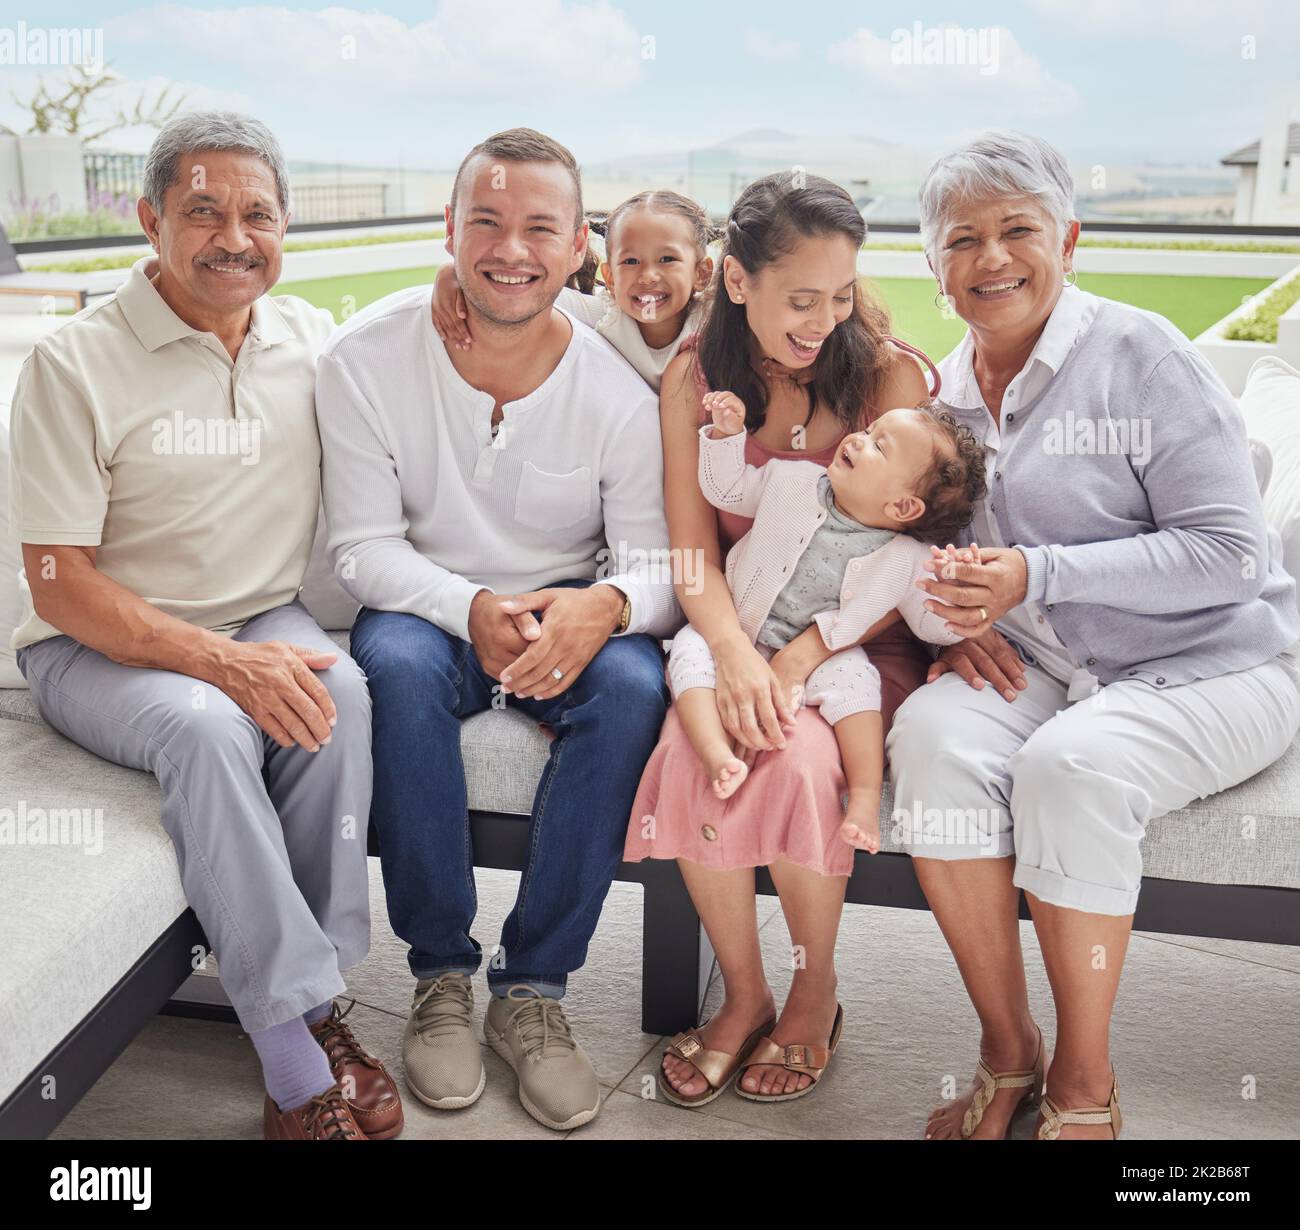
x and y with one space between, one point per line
1122 550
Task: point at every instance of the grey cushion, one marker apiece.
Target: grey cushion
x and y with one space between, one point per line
73 922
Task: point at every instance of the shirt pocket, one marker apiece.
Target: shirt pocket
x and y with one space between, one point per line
552 501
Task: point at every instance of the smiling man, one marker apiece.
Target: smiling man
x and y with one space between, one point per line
165 486
470 494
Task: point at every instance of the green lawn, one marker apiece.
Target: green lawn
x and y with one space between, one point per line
1193 304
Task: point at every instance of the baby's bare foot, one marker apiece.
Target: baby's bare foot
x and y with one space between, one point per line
861 827
725 769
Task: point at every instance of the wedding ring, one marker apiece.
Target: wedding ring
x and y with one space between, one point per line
557 673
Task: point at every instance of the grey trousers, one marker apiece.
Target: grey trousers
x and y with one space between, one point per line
271 841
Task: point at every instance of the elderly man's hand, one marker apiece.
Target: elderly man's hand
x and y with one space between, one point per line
272 682
974 587
988 657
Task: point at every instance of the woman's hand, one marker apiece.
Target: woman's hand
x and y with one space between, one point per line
751 701
449 314
975 587
990 657
793 664
728 413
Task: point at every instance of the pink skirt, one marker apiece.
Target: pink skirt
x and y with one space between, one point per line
788 808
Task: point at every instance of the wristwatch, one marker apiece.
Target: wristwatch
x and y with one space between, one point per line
625 618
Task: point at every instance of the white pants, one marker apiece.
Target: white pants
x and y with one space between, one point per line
844 684
1069 788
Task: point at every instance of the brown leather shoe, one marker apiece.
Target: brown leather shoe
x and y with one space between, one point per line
374 1102
324 1117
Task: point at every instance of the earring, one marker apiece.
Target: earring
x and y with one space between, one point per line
940 299
739 299
1071 277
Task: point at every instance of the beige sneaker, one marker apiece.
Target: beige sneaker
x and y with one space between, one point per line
444 1066
557 1084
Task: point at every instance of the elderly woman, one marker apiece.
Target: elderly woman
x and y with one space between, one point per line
1123 552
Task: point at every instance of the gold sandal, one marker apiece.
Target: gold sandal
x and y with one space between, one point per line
717 1067
810 1060
1028 1078
1054 1118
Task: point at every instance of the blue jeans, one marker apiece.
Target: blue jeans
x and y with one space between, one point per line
423 681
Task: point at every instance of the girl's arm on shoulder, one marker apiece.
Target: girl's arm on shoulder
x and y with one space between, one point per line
590 309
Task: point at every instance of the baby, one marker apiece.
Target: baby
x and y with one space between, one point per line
838 546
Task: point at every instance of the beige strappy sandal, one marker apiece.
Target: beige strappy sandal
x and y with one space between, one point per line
719 1068
810 1060
1054 1118
1029 1079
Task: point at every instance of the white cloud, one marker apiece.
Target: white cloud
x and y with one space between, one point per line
467 49
956 67
1209 27
764 45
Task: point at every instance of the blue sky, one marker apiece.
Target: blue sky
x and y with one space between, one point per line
1104 79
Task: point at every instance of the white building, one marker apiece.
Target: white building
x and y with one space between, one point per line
1268 178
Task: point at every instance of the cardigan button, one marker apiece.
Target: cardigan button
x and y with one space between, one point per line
708 832
1160 679
1092 661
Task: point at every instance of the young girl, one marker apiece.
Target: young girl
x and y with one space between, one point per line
656 267
838 546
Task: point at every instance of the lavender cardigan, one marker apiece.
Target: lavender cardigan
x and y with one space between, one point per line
1128 486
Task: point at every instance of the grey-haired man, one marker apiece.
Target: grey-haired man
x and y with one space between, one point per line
165 487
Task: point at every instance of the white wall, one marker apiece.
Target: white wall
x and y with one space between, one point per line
38 167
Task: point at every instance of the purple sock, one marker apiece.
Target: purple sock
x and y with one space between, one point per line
293 1065
318 1013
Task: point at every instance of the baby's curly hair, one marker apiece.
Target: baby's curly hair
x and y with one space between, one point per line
954 484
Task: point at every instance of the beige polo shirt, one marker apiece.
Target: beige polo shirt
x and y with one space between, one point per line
196 477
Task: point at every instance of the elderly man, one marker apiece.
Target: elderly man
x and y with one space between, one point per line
466 490
165 487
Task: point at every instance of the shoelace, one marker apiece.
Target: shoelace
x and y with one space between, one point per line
443 1005
539 1023
329 1117
337 1040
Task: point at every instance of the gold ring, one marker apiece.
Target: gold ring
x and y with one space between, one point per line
984 615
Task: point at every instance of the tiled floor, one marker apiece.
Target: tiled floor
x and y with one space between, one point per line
1195 1021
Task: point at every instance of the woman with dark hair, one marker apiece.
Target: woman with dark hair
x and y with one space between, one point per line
792 333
